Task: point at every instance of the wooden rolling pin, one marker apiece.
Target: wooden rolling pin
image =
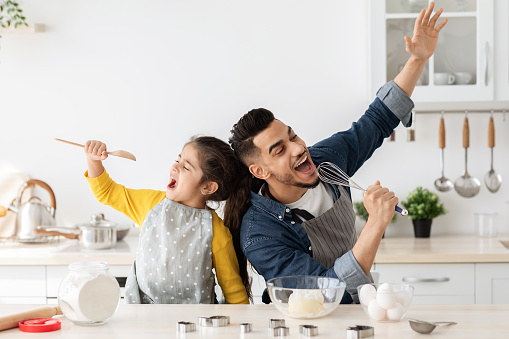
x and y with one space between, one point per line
11 321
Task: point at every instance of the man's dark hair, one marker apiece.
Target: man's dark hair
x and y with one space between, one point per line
246 129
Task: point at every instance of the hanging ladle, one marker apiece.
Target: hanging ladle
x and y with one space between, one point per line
442 184
425 327
492 179
467 186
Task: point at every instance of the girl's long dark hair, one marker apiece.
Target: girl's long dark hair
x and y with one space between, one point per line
241 141
220 164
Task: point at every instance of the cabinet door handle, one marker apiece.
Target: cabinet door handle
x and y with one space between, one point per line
420 280
486 55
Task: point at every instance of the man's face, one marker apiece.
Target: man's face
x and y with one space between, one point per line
285 157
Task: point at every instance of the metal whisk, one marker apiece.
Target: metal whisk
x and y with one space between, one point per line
332 174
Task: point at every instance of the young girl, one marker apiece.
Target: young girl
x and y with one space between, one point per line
181 238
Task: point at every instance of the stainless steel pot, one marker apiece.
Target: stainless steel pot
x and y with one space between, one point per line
99 234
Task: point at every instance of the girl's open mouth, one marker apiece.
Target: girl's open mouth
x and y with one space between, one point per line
173 183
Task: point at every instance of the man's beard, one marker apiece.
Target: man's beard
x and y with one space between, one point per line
288 180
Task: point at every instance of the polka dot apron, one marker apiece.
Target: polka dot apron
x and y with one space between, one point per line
174 259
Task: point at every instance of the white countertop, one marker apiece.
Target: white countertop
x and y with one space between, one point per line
62 251
159 321
436 249
443 249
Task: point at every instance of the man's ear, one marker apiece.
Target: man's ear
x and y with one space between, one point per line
259 171
209 188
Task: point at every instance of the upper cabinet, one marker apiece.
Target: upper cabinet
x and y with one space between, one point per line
502 50
463 66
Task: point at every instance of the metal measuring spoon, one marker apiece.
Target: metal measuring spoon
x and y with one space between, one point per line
442 184
425 327
467 186
492 179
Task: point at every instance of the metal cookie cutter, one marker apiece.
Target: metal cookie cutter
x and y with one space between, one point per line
246 327
215 321
273 323
359 331
308 330
280 331
184 326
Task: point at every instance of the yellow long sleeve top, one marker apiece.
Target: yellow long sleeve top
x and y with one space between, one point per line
137 203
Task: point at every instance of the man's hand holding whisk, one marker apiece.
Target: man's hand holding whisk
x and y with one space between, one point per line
380 204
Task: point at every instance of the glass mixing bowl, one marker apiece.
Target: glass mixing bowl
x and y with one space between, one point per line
385 302
306 296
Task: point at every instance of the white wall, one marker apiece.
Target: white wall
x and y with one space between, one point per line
145 76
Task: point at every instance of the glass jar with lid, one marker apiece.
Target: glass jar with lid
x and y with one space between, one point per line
89 294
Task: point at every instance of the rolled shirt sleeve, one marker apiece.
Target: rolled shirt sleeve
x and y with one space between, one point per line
347 268
397 101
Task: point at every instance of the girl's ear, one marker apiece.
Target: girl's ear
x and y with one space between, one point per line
259 171
209 188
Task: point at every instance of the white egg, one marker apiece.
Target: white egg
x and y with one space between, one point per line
386 288
366 294
375 311
385 296
404 298
395 313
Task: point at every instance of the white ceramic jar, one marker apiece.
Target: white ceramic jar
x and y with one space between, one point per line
89 294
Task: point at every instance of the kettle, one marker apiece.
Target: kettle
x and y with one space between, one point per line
33 212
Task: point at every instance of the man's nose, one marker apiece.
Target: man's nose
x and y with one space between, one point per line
297 149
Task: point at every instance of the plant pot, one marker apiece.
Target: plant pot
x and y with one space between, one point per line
422 228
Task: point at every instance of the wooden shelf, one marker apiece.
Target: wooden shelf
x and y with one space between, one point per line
32 28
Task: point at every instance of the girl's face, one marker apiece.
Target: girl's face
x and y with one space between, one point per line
185 185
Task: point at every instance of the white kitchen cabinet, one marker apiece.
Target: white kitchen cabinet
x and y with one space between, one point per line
55 274
22 284
492 284
433 283
502 50
39 284
462 67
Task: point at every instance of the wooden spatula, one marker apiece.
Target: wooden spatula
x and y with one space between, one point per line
120 153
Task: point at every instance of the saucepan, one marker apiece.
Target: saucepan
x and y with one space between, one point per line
97 235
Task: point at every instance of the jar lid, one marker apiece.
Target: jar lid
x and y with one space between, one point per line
40 325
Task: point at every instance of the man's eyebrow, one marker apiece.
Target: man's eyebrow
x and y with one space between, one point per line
276 144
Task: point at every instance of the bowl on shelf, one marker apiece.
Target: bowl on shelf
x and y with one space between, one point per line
304 296
385 302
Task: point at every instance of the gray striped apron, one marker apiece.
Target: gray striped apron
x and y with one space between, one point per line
332 234
174 259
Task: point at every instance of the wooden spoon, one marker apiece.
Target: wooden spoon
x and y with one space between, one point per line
11 321
119 153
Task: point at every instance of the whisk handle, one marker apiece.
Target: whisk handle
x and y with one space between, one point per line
401 211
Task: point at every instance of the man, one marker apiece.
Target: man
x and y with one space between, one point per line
297 225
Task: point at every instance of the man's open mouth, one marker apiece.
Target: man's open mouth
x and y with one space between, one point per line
304 165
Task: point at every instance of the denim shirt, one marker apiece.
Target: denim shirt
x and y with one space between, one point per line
275 245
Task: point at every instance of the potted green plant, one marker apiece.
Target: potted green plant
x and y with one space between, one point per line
11 15
362 213
423 206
